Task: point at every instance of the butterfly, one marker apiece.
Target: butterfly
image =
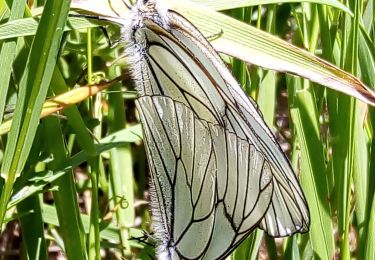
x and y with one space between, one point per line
217 172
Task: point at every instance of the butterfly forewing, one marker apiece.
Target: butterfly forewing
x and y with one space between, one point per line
241 116
216 171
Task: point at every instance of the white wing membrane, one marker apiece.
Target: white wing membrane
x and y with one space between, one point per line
217 172
222 189
294 215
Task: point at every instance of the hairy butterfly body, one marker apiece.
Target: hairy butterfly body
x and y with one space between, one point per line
217 172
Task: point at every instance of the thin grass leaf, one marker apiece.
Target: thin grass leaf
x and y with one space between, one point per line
109 233
7 54
255 46
354 124
33 228
94 165
291 249
33 90
27 27
121 174
313 176
370 249
27 187
4 11
362 174
230 4
268 84
93 236
65 100
250 247
65 195
271 248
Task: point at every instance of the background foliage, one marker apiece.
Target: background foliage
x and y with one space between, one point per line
75 183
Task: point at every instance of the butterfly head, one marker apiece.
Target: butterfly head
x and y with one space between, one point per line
141 13
145 10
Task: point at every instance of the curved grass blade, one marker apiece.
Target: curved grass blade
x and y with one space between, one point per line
249 44
65 100
28 26
220 5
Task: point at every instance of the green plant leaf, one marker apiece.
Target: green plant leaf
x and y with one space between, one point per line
231 4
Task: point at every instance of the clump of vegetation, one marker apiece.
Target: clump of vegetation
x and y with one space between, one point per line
75 183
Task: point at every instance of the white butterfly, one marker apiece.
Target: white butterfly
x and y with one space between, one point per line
217 172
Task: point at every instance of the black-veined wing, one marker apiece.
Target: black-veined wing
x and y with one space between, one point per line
217 172
207 194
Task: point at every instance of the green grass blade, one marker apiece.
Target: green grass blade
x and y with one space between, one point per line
121 174
109 233
33 90
362 174
94 164
354 124
255 46
93 240
230 4
313 174
33 228
291 249
7 54
250 247
27 27
74 117
65 196
271 247
268 84
370 248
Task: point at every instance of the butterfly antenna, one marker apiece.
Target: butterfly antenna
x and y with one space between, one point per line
215 36
111 44
143 239
129 6
91 16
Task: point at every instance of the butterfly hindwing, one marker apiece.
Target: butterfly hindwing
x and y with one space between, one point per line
204 219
